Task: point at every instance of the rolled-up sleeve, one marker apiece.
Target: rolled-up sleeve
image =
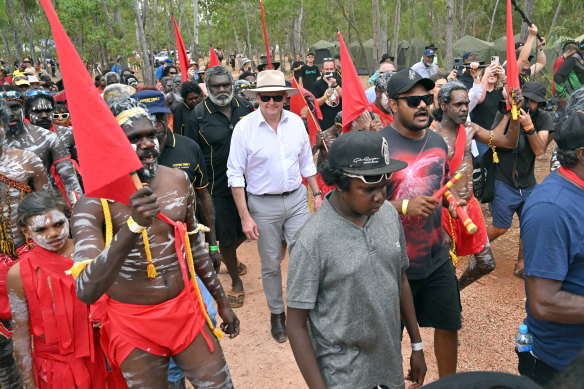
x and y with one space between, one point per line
305 160
237 161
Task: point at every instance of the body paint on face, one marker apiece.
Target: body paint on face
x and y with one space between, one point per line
41 229
385 102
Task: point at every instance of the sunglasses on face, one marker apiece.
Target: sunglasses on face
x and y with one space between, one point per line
61 115
172 73
375 179
414 101
277 98
35 92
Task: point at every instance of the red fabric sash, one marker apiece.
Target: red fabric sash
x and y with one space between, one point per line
459 147
55 311
6 263
571 176
386 118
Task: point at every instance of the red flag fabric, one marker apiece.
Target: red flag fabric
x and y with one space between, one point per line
213 60
266 36
182 52
355 102
297 104
512 72
106 156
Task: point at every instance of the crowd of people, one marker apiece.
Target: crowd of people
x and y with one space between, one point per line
96 293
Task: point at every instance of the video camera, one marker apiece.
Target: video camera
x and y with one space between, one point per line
460 67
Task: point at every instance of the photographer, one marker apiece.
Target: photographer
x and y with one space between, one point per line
527 71
328 93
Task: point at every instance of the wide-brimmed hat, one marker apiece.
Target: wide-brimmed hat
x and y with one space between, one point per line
535 91
263 65
271 81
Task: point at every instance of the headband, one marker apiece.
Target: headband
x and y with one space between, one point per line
124 116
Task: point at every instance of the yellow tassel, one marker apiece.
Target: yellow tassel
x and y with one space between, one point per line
152 273
78 267
495 156
216 331
454 258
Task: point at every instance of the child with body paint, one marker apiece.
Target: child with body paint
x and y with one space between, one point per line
65 350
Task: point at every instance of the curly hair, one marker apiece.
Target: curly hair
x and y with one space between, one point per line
189 87
39 203
334 176
444 96
218 71
117 106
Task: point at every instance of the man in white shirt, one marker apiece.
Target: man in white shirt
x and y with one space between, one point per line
426 67
270 153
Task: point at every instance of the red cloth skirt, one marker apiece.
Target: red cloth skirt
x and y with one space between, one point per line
467 244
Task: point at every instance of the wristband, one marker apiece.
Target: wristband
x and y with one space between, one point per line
338 86
317 194
213 248
527 128
134 227
405 207
418 346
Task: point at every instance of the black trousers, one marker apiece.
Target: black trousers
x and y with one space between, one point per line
539 371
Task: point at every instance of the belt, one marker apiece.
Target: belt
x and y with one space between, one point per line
283 194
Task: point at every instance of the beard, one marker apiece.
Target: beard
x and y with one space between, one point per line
221 100
147 173
12 131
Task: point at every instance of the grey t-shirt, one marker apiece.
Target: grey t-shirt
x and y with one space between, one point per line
349 278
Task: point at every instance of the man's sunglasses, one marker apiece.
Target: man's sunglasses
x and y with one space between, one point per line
375 179
35 92
172 73
414 101
267 98
327 59
61 115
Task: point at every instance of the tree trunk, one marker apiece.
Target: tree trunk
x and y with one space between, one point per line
247 40
396 28
195 52
492 21
377 44
108 19
555 19
384 42
528 11
147 73
167 25
297 40
170 22
410 36
449 38
354 26
28 30
148 22
8 50
461 22
236 37
17 42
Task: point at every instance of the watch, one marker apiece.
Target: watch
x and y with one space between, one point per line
530 132
317 194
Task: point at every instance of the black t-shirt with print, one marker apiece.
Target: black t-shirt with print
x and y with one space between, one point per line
297 73
309 75
331 106
426 172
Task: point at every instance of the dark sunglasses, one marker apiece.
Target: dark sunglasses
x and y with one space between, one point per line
414 101
35 92
376 179
172 73
61 115
277 98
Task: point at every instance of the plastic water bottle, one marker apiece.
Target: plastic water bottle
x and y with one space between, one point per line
523 340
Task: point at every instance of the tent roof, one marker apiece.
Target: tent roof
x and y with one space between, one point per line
322 44
477 46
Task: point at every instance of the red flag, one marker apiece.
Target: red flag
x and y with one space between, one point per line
106 156
182 52
266 36
213 60
355 102
512 72
297 103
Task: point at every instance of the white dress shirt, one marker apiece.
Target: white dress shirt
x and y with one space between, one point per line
271 162
425 71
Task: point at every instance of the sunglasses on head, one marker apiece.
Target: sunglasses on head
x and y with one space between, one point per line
375 179
12 95
61 115
35 92
327 59
267 98
414 101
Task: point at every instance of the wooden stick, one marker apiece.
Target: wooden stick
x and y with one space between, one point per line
448 185
462 215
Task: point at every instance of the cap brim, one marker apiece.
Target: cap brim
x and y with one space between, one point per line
394 166
425 82
252 92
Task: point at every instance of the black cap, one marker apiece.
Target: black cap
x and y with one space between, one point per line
406 79
337 56
570 133
385 57
364 153
535 91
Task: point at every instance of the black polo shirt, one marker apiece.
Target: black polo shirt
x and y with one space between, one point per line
179 118
212 131
184 154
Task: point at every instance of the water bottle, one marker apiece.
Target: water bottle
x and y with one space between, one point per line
523 340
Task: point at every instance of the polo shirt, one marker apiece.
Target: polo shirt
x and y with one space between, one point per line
184 154
179 116
212 131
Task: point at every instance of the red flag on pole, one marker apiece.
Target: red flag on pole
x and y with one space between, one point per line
297 103
105 154
512 71
355 102
266 36
182 52
213 60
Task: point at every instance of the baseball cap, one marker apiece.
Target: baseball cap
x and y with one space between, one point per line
570 133
364 153
337 56
168 61
429 52
406 79
535 91
20 80
466 55
309 53
153 100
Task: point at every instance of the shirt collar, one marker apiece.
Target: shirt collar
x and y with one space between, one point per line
261 119
170 139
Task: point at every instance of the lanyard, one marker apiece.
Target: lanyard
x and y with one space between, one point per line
572 176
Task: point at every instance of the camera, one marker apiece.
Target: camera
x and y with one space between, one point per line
328 75
460 67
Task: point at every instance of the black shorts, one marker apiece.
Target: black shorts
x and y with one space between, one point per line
437 299
227 221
